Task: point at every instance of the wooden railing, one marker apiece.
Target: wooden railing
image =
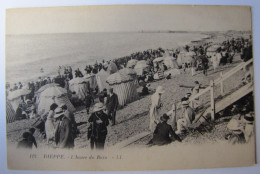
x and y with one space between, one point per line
220 81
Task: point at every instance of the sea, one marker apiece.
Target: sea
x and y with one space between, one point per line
31 56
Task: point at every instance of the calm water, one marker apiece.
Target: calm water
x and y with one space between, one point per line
27 54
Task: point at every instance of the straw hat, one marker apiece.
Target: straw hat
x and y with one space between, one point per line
58 112
185 103
98 107
160 90
235 126
165 117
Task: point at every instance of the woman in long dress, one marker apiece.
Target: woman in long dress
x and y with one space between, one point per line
156 104
49 126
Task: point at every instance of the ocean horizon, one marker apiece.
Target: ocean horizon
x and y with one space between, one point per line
27 54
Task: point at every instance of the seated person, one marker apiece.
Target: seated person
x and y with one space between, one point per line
169 76
248 121
164 133
145 90
236 136
187 117
20 114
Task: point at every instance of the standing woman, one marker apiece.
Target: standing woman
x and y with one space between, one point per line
156 105
49 126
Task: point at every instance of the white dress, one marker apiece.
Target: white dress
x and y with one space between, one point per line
49 126
154 111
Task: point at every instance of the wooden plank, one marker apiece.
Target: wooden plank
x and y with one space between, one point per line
230 99
224 77
233 71
200 93
221 84
212 100
131 140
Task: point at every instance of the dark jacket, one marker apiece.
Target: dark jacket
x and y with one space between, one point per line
24 144
164 134
98 131
64 137
112 102
89 100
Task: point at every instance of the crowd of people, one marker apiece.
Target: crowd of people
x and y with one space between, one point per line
59 125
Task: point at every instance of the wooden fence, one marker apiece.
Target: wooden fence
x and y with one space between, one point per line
220 80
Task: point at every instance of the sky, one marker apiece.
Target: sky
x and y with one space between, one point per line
126 19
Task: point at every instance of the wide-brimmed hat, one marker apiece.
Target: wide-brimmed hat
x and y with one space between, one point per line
160 90
235 126
165 117
58 112
185 103
98 107
248 118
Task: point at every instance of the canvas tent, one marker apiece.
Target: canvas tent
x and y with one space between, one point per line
184 57
170 62
101 78
128 71
140 67
124 86
51 95
158 59
91 80
131 63
80 86
112 68
15 97
10 113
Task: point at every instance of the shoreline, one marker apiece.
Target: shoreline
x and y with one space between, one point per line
82 63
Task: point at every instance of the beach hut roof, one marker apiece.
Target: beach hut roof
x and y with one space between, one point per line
158 59
78 80
141 66
18 93
141 62
46 86
213 48
54 91
112 68
131 63
169 58
118 78
128 71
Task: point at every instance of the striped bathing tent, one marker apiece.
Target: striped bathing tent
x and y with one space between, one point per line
10 113
124 86
101 78
15 97
51 95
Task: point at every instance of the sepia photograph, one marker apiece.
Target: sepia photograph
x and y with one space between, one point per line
160 87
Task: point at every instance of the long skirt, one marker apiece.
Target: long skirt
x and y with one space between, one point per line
49 129
153 117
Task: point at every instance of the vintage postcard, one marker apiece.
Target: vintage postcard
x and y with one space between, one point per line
129 87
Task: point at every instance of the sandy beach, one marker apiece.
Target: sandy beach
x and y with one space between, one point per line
134 117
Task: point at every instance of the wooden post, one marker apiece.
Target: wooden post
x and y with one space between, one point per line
221 84
212 101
